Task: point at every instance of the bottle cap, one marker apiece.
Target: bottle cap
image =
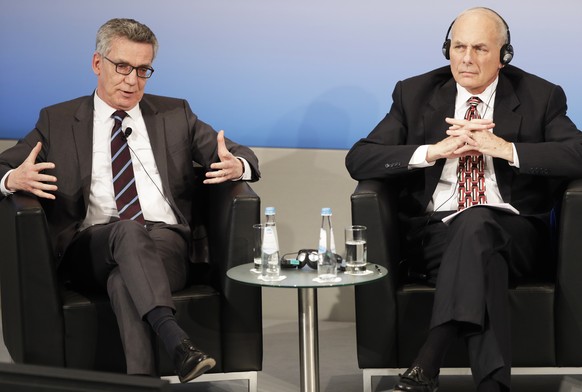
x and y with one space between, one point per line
270 211
326 211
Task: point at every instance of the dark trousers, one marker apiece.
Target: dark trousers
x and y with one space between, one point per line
139 267
472 261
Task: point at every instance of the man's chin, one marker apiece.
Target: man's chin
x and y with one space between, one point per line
466 77
469 83
126 103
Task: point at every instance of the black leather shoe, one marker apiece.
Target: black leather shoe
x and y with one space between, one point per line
191 362
414 380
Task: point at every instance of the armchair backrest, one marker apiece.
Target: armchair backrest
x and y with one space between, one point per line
568 296
27 262
231 218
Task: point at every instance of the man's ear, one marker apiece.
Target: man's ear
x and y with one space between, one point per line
96 63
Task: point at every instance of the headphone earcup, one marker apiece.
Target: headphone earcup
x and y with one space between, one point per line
311 260
446 49
506 54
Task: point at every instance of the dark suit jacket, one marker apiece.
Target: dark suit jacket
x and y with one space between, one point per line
529 112
178 138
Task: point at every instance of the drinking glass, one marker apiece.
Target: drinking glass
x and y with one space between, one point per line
356 250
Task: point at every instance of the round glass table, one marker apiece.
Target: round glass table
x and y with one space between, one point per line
303 281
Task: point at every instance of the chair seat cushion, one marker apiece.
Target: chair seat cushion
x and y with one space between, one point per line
92 337
532 315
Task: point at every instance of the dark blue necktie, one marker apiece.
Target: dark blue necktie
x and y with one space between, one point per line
122 170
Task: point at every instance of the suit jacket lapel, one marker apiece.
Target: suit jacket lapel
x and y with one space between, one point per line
157 133
83 139
507 126
156 128
441 105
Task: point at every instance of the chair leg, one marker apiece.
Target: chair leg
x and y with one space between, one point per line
367 380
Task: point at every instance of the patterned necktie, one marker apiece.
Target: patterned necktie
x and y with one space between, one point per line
471 172
122 170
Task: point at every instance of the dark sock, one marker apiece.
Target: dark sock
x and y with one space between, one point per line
166 327
432 354
490 385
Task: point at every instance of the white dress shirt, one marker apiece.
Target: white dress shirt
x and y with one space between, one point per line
444 197
102 207
148 182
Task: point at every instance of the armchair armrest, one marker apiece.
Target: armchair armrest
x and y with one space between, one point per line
233 207
31 308
374 205
569 274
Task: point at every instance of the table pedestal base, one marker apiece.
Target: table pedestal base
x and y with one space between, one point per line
308 340
303 281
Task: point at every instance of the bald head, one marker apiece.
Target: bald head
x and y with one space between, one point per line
482 13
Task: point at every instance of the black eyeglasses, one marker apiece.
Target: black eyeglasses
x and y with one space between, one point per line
302 258
307 257
126 69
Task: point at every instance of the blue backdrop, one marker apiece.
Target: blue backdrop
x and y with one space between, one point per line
271 73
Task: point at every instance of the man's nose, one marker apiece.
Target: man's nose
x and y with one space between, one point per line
132 77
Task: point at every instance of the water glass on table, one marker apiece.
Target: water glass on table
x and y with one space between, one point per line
356 250
258 231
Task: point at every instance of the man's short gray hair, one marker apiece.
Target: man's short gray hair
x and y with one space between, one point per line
124 28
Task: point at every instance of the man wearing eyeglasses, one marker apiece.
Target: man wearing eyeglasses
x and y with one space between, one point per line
71 161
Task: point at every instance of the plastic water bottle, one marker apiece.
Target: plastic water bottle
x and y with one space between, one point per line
326 263
271 266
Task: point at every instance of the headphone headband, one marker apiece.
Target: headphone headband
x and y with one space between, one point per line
505 53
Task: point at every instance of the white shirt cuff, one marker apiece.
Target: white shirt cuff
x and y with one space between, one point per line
418 159
247 172
5 191
515 162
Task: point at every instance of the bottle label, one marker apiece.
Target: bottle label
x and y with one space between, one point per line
270 244
323 241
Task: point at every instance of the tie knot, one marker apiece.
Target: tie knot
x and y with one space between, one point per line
474 101
119 115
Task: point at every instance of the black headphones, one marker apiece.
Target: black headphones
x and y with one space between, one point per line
505 54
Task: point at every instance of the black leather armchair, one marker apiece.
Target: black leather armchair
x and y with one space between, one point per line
46 323
393 314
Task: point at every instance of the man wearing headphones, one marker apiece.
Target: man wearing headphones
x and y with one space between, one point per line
477 132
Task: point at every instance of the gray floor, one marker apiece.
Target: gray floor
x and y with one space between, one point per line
338 366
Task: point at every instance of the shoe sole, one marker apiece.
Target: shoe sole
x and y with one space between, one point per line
199 370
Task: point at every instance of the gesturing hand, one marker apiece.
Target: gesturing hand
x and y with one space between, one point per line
28 177
229 167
